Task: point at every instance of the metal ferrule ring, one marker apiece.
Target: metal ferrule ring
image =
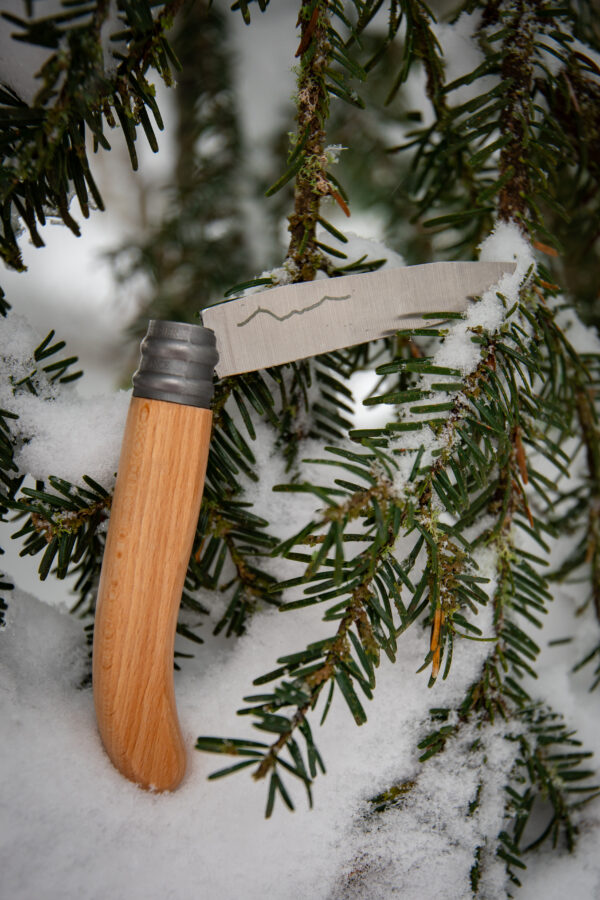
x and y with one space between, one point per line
177 364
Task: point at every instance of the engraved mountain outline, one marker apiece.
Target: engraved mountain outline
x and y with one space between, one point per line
293 312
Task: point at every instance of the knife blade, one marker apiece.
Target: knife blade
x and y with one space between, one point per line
296 321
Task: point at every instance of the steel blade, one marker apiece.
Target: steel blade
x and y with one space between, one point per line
298 320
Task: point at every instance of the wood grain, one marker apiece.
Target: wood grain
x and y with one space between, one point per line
152 524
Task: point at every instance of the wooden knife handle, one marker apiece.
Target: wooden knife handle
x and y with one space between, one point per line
152 524
153 519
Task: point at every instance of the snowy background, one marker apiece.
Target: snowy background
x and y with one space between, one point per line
71 827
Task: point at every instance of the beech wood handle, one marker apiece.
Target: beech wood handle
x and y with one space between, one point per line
152 524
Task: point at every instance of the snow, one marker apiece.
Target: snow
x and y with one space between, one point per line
505 244
332 152
70 436
462 55
93 834
560 874
58 432
584 338
424 846
356 247
556 63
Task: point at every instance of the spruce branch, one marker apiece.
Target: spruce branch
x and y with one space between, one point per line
516 70
230 539
538 732
521 589
325 66
311 182
499 415
320 48
549 767
497 143
370 584
45 160
330 662
61 519
420 44
325 70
